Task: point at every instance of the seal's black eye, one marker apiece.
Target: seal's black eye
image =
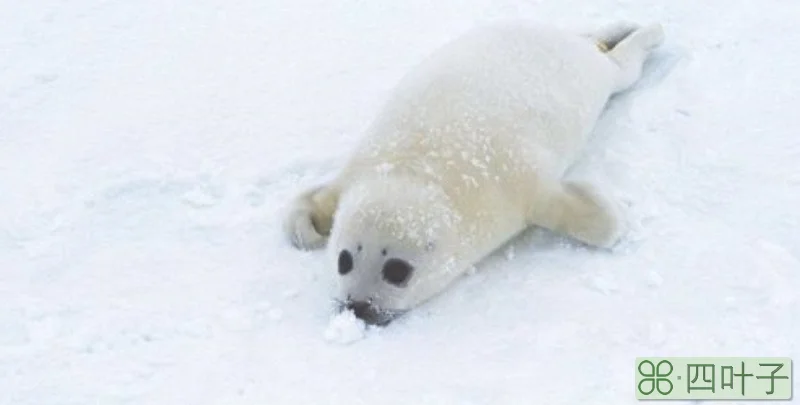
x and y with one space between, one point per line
397 272
345 262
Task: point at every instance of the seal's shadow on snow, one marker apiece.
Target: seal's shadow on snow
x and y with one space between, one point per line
655 70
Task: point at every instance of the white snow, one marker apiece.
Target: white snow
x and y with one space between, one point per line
345 328
147 149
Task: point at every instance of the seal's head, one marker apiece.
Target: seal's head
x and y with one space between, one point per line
392 244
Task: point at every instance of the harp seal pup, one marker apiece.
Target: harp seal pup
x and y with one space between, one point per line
469 151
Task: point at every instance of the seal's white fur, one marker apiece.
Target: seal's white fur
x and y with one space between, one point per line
469 150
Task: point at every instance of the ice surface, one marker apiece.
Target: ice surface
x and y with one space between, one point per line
147 148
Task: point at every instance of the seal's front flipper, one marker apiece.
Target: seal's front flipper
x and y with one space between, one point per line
309 219
580 211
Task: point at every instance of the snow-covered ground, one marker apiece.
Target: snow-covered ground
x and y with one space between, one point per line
147 149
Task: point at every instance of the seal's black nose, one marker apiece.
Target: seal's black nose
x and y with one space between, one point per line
362 309
370 314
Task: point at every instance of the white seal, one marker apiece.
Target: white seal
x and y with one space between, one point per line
470 150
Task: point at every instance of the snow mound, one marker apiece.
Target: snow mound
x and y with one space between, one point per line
345 328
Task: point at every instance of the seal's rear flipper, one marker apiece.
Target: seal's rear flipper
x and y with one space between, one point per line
607 37
631 52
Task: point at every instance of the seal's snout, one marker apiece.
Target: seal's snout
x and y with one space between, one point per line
370 314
